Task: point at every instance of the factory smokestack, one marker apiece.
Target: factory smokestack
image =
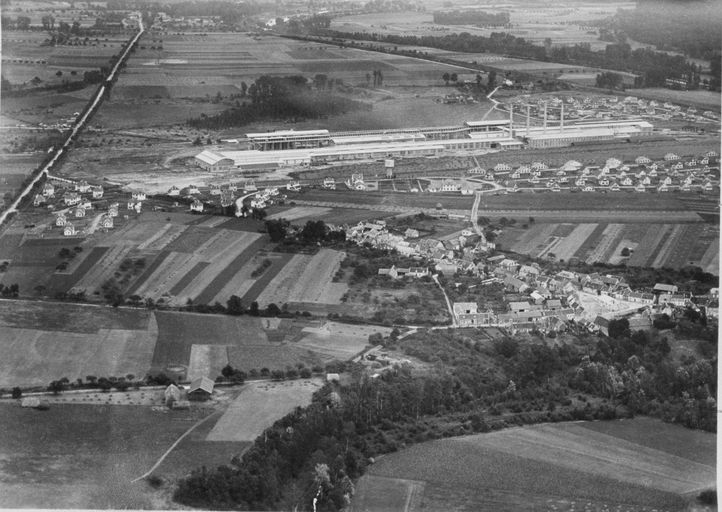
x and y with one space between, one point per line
511 120
528 118
545 117
562 115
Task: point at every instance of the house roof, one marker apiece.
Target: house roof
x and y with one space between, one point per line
201 384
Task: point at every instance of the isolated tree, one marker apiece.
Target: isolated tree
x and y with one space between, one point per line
454 77
234 305
273 310
446 77
254 310
368 79
17 392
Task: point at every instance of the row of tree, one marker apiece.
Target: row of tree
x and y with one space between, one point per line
652 67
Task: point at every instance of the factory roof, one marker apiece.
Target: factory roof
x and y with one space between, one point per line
493 122
211 157
288 134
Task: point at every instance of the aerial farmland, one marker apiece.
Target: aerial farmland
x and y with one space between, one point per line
368 258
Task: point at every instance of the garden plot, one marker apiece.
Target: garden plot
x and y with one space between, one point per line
606 246
664 251
259 405
534 239
102 270
566 248
647 250
710 260
307 279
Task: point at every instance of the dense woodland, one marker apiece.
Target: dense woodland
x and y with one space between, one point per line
289 97
472 385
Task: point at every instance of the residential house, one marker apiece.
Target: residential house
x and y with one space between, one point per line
106 221
78 212
60 220
97 192
82 187
174 191
138 195
197 206
446 268
71 198
665 288
48 189
113 210
69 229
38 200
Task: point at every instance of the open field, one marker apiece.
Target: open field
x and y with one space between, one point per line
258 406
700 99
651 244
595 466
90 461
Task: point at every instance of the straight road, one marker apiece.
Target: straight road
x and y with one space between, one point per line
77 128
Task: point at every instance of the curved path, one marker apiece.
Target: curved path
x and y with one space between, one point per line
177 442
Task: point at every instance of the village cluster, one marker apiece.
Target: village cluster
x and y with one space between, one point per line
585 108
641 175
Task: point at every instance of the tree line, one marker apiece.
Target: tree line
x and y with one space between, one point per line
652 67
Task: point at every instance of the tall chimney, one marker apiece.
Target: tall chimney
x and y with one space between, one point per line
545 117
562 125
511 120
528 118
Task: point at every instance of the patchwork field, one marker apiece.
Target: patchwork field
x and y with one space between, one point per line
567 466
649 244
258 406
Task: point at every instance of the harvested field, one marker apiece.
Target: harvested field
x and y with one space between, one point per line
36 356
192 238
207 361
335 341
307 279
272 356
300 212
605 465
259 405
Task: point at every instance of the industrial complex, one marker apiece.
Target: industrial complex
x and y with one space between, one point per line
271 150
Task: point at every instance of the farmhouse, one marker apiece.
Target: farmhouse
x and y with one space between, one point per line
200 389
171 395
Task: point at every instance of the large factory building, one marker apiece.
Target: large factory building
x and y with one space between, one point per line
271 150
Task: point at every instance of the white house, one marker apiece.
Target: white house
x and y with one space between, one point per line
174 191
69 229
97 192
106 221
48 190
82 186
196 206
71 198
138 195
60 220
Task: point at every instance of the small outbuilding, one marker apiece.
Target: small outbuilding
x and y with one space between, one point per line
200 389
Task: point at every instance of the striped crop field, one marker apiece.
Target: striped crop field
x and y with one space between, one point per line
654 245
